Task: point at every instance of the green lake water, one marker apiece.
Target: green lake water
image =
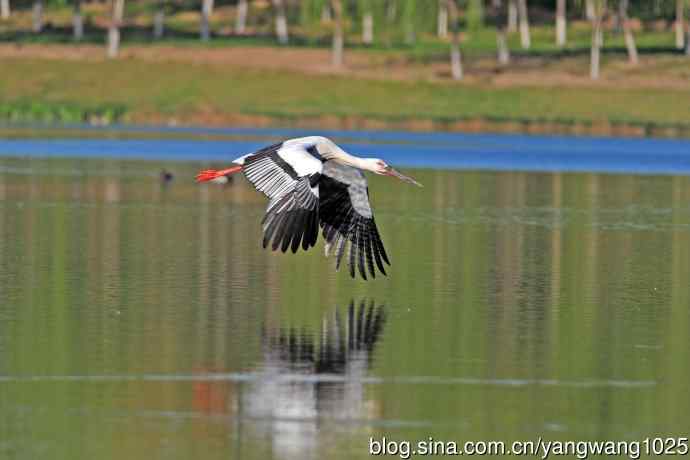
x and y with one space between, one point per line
143 321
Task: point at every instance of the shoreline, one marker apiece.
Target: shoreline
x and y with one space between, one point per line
473 125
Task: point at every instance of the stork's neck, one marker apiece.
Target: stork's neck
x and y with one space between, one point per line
337 154
351 160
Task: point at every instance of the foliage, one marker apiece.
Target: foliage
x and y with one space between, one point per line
25 110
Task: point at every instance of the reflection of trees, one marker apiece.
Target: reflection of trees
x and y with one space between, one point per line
3 259
676 355
516 275
107 250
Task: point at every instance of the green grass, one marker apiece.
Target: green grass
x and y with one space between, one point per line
18 111
134 90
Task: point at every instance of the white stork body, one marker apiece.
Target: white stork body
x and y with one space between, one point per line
312 183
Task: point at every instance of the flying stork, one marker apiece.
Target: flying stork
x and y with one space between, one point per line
311 182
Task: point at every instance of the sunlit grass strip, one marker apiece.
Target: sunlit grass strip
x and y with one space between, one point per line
52 112
52 90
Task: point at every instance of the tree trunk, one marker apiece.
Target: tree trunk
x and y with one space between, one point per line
680 22
409 19
77 21
595 57
118 11
159 23
560 23
524 24
206 12
281 22
512 15
337 57
442 26
326 13
627 32
589 10
241 18
500 19
502 46
391 10
410 36
5 9
368 28
455 56
37 16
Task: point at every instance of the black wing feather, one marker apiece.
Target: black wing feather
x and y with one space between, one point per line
360 249
353 249
272 225
287 220
343 226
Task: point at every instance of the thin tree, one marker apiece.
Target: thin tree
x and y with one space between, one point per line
159 20
524 24
367 21
391 10
455 56
77 21
5 9
597 40
241 18
206 12
442 23
501 32
37 16
281 22
561 23
338 40
512 15
326 13
627 31
680 24
590 9
687 40
118 11
409 16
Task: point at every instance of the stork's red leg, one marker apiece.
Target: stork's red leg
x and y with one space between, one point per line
210 174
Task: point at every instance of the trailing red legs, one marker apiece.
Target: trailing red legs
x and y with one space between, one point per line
211 174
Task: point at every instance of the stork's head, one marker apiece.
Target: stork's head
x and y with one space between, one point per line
381 167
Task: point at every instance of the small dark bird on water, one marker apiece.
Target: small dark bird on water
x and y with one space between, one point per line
312 183
166 177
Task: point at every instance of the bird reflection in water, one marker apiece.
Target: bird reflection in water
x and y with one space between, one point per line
308 380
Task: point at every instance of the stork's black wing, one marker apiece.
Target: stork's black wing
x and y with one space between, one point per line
288 175
347 221
293 218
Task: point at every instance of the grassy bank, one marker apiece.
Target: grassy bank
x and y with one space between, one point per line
154 91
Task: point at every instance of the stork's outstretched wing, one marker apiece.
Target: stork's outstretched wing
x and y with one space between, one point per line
346 218
287 174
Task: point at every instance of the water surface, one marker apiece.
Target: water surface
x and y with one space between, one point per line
141 320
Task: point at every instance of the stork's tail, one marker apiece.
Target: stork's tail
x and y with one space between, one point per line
212 174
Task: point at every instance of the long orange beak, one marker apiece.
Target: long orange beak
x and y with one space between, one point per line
395 173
